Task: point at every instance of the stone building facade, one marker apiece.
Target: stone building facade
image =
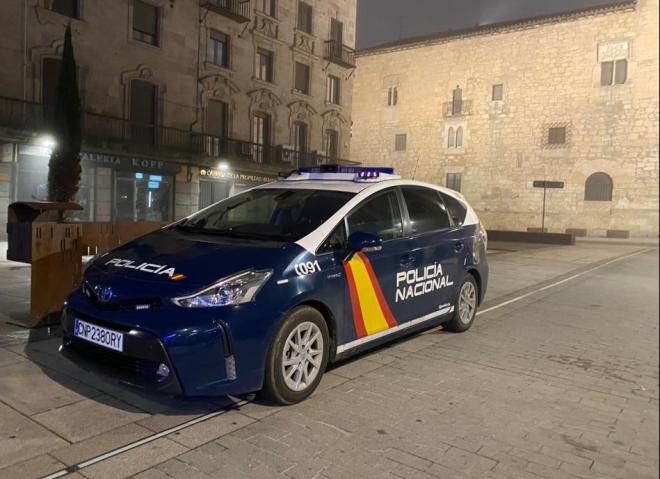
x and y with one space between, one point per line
490 110
185 101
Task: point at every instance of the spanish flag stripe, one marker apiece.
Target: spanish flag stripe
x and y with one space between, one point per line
385 308
360 330
372 314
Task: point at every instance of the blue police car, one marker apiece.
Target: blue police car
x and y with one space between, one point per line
261 291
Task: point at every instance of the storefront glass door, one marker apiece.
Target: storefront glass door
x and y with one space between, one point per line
143 197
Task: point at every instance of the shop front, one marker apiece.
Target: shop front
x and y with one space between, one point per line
218 184
112 188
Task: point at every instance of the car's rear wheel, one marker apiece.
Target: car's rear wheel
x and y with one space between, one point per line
465 306
298 357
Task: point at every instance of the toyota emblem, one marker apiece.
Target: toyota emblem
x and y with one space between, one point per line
104 294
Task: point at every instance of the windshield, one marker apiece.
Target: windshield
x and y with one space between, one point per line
269 214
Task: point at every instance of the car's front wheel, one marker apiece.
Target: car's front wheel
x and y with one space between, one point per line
298 357
465 306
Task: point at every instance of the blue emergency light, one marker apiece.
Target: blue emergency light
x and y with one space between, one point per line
360 171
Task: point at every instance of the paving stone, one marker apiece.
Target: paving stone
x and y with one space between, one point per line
84 419
36 467
21 438
99 444
211 429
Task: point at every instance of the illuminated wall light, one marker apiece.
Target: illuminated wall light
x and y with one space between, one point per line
223 167
47 141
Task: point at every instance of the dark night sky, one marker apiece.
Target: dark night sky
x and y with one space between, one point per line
382 21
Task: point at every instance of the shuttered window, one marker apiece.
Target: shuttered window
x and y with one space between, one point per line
400 142
454 181
333 90
305 16
457 101
50 76
267 7
598 187
459 137
498 92
614 72
451 138
302 78
217 118
265 65
620 72
392 96
557 135
332 144
218 49
145 22
70 8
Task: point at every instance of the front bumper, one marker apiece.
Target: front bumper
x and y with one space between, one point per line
204 357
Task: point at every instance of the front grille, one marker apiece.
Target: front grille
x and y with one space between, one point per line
116 360
129 304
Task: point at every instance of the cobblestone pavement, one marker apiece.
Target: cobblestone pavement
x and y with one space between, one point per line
562 383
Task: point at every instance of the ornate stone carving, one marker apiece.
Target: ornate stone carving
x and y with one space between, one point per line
613 51
266 26
218 86
303 42
301 111
333 120
264 100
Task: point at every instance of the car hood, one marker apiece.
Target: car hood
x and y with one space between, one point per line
172 261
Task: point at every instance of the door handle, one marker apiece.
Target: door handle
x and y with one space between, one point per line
458 246
407 259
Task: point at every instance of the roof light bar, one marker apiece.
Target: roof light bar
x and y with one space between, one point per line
354 170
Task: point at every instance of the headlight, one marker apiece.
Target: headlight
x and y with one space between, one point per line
237 289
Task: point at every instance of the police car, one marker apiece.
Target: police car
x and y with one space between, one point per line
261 291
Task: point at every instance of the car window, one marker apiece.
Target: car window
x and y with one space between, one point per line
426 210
269 214
457 210
336 241
379 216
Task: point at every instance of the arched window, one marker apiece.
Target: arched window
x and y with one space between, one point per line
451 138
459 137
598 187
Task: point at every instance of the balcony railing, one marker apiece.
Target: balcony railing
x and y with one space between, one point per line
237 10
457 108
119 135
24 115
340 54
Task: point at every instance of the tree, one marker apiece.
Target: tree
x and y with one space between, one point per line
64 166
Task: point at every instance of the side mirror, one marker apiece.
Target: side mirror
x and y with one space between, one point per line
362 242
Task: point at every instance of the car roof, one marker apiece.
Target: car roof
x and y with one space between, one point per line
355 186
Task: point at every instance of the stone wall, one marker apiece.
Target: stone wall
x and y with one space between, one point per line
550 72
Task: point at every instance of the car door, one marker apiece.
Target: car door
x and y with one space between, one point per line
429 289
371 276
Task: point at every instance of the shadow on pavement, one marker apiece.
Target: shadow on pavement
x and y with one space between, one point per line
97 382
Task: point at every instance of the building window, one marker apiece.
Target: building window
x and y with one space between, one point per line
400 142
598 187
300 137
614 72
50 77
261 131
392 96
302 78
218 50
267 7
217 118
457 101
332 144
265 65
454 181
69 8
143 98
305 17
451 138
145 22
333 90
498 92
557 135
337 32
459 137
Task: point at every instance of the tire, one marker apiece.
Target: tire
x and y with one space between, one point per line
465 306
293 374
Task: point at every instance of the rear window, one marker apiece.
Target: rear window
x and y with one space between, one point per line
457 210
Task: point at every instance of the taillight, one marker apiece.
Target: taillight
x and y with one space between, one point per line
483 234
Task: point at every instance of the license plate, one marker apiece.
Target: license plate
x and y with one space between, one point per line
98 335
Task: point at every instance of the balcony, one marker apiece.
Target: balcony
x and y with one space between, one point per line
237 10
117 135
340 54
457 108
